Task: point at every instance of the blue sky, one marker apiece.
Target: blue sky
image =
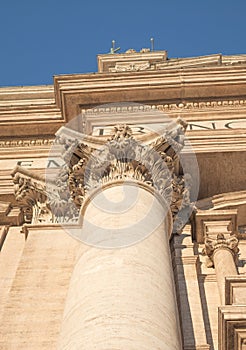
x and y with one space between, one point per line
40 39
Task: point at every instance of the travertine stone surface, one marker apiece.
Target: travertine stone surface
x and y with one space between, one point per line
34 307
211 300
224 266
9 259
223 254
123 298
209 93
186 266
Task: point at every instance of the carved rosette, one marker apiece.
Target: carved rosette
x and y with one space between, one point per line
91 163
214 244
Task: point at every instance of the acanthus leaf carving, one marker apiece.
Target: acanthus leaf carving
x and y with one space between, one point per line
89 164
43 202
31 195
220 242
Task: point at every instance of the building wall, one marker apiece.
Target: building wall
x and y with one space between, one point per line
37 260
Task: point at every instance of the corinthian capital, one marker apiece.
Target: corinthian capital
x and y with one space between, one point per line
151 160
89 163
220 242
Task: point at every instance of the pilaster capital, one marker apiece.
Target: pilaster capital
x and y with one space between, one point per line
39 200
30 193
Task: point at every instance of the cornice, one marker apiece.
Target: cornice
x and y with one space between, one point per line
224 200
29 113
229 201
218 141
146 59
21 95
91 89
28 110
179 92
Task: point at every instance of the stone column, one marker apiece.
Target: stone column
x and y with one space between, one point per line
223 254
122 293
124 298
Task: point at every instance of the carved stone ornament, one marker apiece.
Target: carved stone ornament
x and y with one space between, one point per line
130 67
131 51
144 50
91 163
43 202
31 195
214 244
202 105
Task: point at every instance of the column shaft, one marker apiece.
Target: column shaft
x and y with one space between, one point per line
124 298
224 264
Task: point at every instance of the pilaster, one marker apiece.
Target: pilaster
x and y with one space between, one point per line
186 270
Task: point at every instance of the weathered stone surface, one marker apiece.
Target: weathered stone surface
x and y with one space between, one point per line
207 92
127 294
37 287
